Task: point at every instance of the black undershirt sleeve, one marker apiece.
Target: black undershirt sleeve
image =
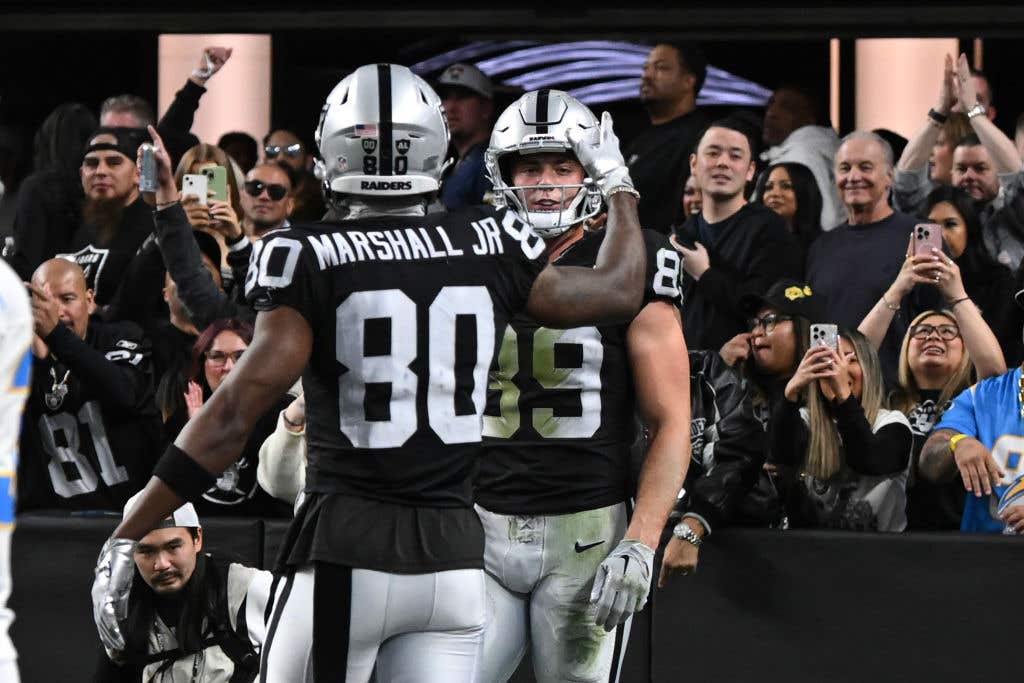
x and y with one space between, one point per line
118 386
886 451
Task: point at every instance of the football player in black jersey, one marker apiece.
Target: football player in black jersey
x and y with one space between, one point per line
566 561
393 317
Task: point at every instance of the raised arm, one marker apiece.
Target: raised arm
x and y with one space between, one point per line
919 148
611 291
1000 148
915 270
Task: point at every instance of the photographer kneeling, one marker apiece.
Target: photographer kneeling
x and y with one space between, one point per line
191 617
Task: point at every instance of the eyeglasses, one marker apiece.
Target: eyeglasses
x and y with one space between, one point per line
292 151
945 332
220 358
276 191
768 322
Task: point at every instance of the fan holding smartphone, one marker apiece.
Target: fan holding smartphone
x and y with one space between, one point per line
208 192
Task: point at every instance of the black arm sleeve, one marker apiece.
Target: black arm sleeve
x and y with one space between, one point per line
886 451
124 387
139 296
202 297
789 434
738 452
238 261
180 116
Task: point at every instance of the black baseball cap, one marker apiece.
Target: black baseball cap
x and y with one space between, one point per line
786 296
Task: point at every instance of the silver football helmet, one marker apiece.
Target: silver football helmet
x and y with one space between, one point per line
382 133
537 122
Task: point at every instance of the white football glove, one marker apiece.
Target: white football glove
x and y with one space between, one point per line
115 568
602 160
622 583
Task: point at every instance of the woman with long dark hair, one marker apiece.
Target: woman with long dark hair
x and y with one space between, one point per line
216 352
49 205
845 456
989 284
789 189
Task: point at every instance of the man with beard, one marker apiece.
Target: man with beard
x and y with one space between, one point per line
658 157
91 434
116 221
731 246
191 616
853 265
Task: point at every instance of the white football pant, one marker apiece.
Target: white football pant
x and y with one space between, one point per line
540 571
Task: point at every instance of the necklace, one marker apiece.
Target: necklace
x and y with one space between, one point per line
55 397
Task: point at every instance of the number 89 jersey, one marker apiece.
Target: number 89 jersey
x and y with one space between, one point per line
560 412
406 314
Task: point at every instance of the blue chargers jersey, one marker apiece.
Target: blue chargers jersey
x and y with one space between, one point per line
990 411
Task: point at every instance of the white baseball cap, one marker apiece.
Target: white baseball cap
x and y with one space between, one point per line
469 77
184 516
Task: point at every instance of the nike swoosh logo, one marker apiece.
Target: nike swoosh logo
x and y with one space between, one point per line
588 546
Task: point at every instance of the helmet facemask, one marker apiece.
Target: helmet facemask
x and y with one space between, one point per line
566 212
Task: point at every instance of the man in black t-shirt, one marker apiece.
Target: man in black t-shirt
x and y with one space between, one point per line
658 157
91 433
392 316
554 478
731 247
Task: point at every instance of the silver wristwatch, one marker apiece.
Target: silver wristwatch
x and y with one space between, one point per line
977 110
683 532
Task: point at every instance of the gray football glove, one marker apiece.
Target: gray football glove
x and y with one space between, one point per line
115 568
602 160
622 583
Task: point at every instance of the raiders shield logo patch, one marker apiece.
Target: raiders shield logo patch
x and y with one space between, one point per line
369 145
92 260
402 145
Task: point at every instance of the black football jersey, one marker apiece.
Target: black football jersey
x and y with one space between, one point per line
560 411
81 449
407 313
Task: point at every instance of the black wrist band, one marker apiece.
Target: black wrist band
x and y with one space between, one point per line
937 116
954 302
182 474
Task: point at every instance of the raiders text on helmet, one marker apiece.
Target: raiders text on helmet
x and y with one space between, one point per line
539 122
382 133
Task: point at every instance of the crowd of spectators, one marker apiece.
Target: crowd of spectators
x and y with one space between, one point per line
139 317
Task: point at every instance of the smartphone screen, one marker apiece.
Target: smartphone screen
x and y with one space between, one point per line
195 184
217 177
927 236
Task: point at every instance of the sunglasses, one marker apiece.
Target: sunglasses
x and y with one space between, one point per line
292 151
254 188
945 332
220 357
768 322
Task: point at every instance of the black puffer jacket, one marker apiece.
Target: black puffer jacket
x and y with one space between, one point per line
729 446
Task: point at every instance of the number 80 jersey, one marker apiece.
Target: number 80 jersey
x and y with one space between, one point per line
406 314
560 414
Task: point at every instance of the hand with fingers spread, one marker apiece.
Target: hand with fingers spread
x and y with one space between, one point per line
602 159
193 399
817 364
977 467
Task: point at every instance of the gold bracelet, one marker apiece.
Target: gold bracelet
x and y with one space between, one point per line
887 305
